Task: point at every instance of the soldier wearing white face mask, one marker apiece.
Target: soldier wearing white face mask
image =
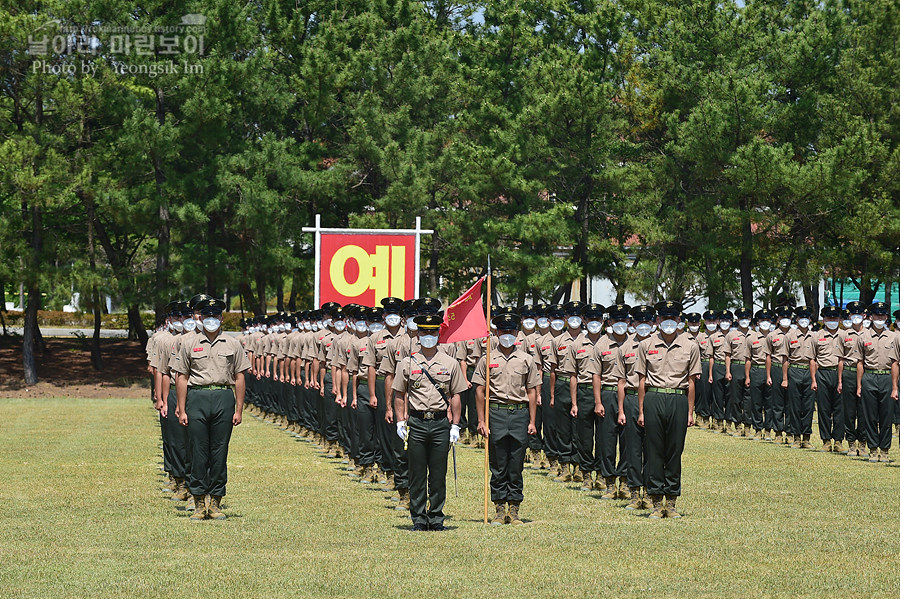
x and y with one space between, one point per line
586 413
736 356
755 378
717 372
562 364
703 405
547 315
876 376
775 373
853 422
826 353
797 357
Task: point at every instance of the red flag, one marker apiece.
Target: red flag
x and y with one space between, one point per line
464 318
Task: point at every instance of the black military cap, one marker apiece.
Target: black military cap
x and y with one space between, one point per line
507 322
856 307
619 312
528 311
803 312
376 313
763 314
329 308
408 308
429 322
593 311
668 308
831 312
710 315
896 314
743 313
555 311
210 307
643 313
292 321
192 303
338 313
784 312
171 307
540 309
878 308
574 308
351 310
725 315
692 317
392 304
500 311
315 315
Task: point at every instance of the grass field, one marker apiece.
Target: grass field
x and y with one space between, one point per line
82 515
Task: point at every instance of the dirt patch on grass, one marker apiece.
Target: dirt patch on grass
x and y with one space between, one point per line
64 370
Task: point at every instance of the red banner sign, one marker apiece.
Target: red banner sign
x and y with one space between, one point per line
364 269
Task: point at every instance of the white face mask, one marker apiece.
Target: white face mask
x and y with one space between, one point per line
711 326
339 325
428 341
528 323
620 328
867 323
543 323
557 324
744 323
856 318
803 323
189 325
694 328
765 325
643 329
411 324
307 326
507 340
327 322
211 324
361 326
263 328
247 332
680 326
725 325
631 330
574 321
594 327
879 324
392 320
652 328
784 323
177 326
847 323
315 327
279 328
831 324
376 327
668 326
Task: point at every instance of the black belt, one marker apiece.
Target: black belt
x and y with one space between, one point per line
510 406
435 415
666 390
590 385
827 368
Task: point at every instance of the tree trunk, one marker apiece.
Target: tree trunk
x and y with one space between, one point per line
136 325
279 292
164 233
295 283
746 260
260 291
811 298
31 333
211 258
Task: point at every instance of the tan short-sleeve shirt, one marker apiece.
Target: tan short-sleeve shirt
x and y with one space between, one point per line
511 376
215 362
876 348
826 348
668 365
757 348
421 393
736 345
607 353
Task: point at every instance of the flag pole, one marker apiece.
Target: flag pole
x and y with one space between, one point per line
487 400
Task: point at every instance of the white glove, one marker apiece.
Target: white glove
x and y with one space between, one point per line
402 431
454 433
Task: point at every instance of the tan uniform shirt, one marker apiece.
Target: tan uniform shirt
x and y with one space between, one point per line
702 340
826 348
777 341
606 355
850 347
876 348
757 347
511 376
717 346
215 362
421 393
625 366
162 347
562 355
544 346
736 345
583 355
381 342
166 364
358 349
797 347
668 365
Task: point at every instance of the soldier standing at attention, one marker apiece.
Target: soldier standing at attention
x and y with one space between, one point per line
606 356
515 378
797 356
854 429
735 361
427 387
530 335
718 379
704 388
586 414
775 368
876 346
668 365
550 326
562 366
210 392
826 354
755 379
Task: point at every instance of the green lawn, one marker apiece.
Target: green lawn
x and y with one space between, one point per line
82 515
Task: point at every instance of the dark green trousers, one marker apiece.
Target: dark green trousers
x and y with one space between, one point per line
563 426
877 409
366 433
719 392
608 432
384 433
800 402
536 441
468 411
737 396
704 391
178 440
209 426
508 441
854 429
631 443
429 444
583 428
330 411
549 424
400 455
830 406
775 419
665 428
760 397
